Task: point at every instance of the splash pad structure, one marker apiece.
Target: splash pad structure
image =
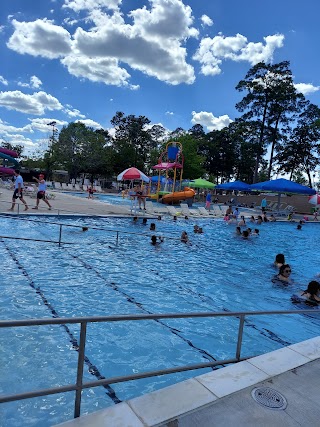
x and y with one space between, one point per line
171 159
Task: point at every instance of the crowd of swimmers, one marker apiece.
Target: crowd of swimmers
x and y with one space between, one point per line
310 296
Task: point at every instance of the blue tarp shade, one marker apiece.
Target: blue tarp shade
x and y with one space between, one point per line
156 178
236 185
282 185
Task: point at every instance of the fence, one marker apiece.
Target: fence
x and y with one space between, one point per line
79 385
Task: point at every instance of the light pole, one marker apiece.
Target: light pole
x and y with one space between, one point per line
54 131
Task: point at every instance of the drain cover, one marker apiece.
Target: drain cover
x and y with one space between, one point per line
269 398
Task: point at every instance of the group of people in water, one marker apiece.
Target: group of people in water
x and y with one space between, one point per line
309 296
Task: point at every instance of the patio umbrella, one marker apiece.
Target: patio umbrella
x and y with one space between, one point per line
131 174
282 185
201 183
314 200
236 185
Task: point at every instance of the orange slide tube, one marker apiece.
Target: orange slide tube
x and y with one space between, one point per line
175 197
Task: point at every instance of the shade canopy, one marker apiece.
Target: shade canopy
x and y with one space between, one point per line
235 185
131 174
201 183
282 185
158 178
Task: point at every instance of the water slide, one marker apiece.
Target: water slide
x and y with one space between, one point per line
177 196
10 156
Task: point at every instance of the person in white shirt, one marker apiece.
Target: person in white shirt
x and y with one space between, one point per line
41 194
18 191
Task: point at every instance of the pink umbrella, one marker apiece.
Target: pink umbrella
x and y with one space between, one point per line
315 200
131 174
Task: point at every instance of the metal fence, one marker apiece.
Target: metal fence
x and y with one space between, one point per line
79 385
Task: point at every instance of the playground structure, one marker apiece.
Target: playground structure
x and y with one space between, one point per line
8 157
169 190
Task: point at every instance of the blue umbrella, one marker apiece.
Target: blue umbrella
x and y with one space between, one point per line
282 185
236 185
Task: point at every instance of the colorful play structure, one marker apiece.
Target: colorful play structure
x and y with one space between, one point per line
169 190
9 160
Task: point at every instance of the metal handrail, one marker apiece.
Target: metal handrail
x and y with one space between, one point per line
83 321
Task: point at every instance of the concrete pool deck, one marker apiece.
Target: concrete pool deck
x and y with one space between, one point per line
222 398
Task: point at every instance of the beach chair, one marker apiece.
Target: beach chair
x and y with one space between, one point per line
57 185
151 209
217 211
186 211
223 209
85 187
173 211
64 186
77 187
204 213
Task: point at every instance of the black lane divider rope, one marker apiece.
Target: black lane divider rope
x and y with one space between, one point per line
132 300
92 369
271 335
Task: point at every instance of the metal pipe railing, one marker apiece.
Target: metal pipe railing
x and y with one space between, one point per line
83 321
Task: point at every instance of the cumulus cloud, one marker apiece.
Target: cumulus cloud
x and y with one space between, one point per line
206 20
78 5
73 112
41 124
306 88
36 104
154 43
90 123
169 113
211 122
34 83
40 38
3 81
212 51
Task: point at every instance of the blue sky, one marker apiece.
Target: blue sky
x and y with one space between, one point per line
176 62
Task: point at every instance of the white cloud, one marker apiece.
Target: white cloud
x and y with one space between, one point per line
103 52
35 83
206 20
40 38
169 113
212 51
90 123
78 5
211 122
306 88
41 124
74 113
36 104
3 81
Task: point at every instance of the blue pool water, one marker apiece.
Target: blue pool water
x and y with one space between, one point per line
95 276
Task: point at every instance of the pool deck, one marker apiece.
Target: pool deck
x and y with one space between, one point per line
222 398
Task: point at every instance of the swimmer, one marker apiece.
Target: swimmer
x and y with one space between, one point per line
252 219
242 221
245 234
264 217
184 237
299 227
238 231
159 217
312 292
279 260
272 218
174 218
144 221
259 220
200 230
195 228
249 230
152 226
256 232
226 218
155 241
85 228
284 273
135 219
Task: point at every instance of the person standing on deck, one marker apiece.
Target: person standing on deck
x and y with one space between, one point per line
208 200
18 191
41 194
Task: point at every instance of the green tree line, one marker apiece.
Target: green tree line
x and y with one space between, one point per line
274 118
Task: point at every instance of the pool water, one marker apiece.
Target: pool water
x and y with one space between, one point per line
96 276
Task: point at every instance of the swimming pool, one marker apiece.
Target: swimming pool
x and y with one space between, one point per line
95 276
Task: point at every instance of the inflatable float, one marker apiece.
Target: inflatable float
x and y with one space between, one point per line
10 156
177 196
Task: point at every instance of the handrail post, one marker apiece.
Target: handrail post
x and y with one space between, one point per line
18 208
60 233
117 237
81 351
240 334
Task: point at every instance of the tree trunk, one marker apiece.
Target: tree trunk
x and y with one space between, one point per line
274 136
